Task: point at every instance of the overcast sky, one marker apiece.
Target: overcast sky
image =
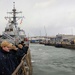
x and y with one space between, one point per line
42 16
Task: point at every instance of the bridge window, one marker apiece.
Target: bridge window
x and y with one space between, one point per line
11 29
6 29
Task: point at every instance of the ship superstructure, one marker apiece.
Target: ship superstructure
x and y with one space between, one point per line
12 32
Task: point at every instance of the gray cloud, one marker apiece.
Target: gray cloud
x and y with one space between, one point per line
58 16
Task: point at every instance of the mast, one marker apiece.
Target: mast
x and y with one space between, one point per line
14 13
45 32
14 18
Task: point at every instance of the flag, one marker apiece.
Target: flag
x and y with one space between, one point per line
21 21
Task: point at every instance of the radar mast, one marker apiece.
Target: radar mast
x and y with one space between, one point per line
14 18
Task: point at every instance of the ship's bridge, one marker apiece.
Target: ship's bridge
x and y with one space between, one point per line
10 29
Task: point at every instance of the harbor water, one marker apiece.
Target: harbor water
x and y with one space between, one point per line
49 60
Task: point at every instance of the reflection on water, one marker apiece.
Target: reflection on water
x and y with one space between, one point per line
48 60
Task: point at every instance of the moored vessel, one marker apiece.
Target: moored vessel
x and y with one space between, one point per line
15 35
12 32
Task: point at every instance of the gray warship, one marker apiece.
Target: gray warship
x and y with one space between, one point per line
15 35
12 32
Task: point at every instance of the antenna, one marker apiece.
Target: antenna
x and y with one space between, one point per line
45 31
13 5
